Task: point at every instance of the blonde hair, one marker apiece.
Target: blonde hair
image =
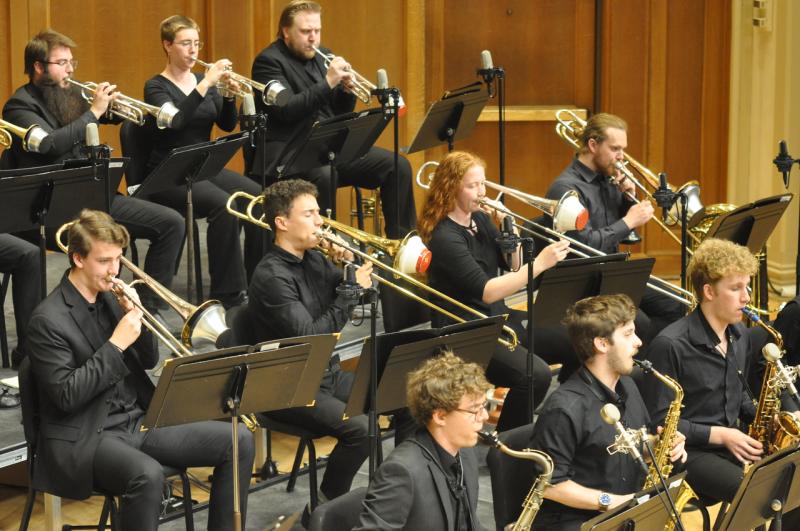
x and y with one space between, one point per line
714 259
596 129
170 26
94 225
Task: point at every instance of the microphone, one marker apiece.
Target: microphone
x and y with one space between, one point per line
349 288
625 442
92 136
247 118
487 70
784 162
786 377
383 79
508 241
92 148
665 198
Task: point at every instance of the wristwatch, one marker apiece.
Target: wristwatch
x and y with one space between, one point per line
604 501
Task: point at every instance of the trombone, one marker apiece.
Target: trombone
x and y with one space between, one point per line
32 137
560 221
326 233
129 108
362 87
569 125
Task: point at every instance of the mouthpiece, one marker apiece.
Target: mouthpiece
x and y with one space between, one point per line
645 365
487 438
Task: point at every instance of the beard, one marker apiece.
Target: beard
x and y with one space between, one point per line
66 104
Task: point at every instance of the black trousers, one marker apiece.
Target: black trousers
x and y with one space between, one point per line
163 228
226 268
713 473
128 463
352 447
21 259
374 170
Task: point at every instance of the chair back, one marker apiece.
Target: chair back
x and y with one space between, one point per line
137 143
339 514
512 478
29 402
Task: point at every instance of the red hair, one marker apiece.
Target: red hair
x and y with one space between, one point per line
444 188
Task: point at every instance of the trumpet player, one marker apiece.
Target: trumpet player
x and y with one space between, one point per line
460 231
51 102
314 92
587 480
88 355
201 106
612 214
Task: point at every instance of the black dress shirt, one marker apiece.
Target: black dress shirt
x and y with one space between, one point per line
571 431
453 471
195 119
290 297
604 201
788 324
461 265
713 384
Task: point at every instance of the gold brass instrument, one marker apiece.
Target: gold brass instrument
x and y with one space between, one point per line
661 462
551 236
323 234
129 108
269 91
31 137
773 428
533 501
362 87
202 324
569 126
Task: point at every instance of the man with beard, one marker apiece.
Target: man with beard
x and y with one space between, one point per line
55 105
587 480
315 92
612 215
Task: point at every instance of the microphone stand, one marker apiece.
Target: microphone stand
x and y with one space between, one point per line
257 125
98 155
670 503
390 101
784 162
666 199
490 75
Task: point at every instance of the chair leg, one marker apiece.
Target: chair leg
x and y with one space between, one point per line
198 267
187 502
26 513
298 457
312 473
270 467
359 208
720 515
3 332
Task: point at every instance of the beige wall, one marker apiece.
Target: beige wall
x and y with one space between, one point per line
765 89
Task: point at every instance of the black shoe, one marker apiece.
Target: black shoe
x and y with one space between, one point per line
16 358
8 400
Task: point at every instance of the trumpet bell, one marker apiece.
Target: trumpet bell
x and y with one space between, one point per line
569 213
204 325
165 114
412 256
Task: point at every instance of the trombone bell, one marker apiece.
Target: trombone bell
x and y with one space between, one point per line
204 325
569 213
412 256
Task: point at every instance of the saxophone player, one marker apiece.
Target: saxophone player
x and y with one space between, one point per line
587 480
707 353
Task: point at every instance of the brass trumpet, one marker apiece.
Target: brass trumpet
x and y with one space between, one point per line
129 108
362 87
32 137
569 126
269 91
327 234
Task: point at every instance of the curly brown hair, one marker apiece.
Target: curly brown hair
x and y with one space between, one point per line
440 383
714 259
595 317
444 188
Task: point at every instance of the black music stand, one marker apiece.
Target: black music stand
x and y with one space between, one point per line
49 196
751 225
330 142
187 165
219 386
769 489
572 280
647 511
451 118
399 353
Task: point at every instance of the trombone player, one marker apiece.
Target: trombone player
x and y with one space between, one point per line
605 192
88 355
311 92
51 102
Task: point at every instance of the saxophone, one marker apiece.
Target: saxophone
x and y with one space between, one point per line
661 452
534 498
785 432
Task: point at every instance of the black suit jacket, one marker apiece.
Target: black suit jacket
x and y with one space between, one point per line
26 108
410 491
75 369
299 112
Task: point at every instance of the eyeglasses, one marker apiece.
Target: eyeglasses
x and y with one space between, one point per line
185 44
63 62
477 413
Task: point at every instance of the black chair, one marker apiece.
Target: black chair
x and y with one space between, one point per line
30 422
137 144
512 478
3 331
339 514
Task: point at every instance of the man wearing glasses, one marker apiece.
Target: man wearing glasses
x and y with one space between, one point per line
430 481
59 108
